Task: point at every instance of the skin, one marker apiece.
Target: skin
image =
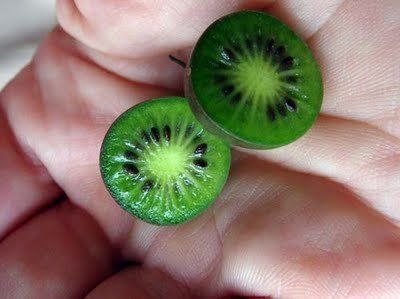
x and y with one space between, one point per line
315 219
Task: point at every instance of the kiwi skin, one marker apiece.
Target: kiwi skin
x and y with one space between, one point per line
213 126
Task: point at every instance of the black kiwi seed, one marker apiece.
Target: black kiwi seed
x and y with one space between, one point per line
271 113
286 63
147 186
131 168
249 44
290 104
130 155
236 98
167 133
281 109
290 79
259 42
278 54
146 137
227 54
201 149
155 134
227 90
200 163
269 46
280 51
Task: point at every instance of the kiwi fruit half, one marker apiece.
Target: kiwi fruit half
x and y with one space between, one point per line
159 163
253 81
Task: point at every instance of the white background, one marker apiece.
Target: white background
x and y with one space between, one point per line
23 23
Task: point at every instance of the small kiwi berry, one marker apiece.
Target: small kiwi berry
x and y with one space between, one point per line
253 81
159 163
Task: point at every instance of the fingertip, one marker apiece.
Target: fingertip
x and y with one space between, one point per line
69 17
103 25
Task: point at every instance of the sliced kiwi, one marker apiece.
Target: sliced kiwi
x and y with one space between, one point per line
159 163
253 81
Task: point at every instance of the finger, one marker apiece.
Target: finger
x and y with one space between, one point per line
305 17
355 154
358 53
61 253
25 185
157 71
139 283
289 235
137 29
166 32
146 28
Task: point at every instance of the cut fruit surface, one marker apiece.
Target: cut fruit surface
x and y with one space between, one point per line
253 81
159 163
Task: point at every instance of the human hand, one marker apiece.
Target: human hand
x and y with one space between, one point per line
315 219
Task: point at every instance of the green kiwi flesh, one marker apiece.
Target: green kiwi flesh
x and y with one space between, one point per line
253 81
159 163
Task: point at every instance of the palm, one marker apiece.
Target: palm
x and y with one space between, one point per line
294 222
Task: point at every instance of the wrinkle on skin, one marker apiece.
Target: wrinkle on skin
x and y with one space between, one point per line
306 220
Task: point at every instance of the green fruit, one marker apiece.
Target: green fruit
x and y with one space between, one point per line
159 163
253 81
